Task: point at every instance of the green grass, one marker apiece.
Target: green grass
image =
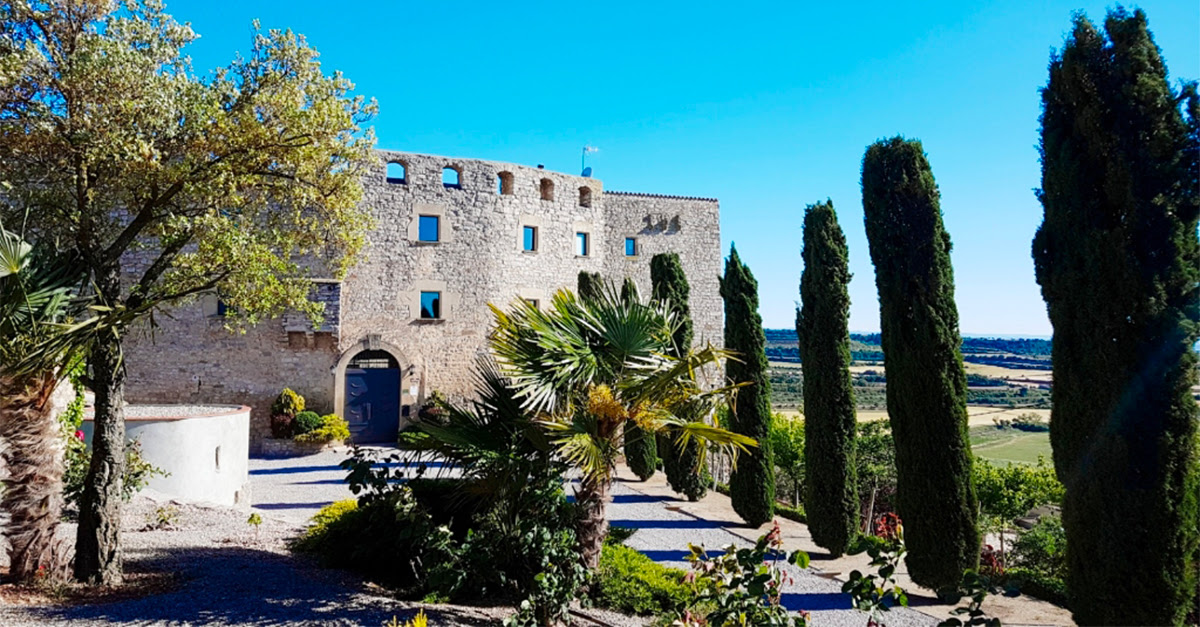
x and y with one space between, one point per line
1010 445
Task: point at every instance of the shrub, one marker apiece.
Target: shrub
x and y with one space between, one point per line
641 451
787 446
283 413
332 429
627 581
77 459
743 586
306 422
1008 492
288 403
318 526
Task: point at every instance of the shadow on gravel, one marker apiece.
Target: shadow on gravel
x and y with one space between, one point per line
815 601
277 506
692 523
244 586
640 498
666 555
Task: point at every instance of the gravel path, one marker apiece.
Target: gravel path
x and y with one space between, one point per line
227 574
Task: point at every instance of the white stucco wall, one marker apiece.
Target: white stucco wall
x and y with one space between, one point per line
205 449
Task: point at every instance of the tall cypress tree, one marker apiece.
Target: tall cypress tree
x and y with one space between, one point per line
752 484
641 448
1118 261
591 285
926 385
669 287
822 326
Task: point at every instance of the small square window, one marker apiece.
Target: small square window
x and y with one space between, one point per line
529 238
428 229
581 244
630 247
431 305
533 302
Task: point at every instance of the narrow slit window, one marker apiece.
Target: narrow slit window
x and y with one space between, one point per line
431 305
429 228
451 178
630 247
529 238
397 174
582 245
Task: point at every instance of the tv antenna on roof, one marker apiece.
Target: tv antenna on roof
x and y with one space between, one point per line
583 159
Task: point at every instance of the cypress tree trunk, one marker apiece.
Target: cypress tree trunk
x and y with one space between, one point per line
33 491
926 385
752 484
822 326
1118 261
98 540
591 285
669 287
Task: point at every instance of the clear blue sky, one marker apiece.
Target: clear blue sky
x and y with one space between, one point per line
767 107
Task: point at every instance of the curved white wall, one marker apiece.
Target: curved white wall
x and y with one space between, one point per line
206 455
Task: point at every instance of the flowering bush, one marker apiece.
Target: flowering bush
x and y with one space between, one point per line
283 413
874 594
742 586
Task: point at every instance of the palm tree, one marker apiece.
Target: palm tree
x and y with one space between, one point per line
38 296
587 369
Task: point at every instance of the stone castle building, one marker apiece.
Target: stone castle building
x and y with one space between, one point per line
411 317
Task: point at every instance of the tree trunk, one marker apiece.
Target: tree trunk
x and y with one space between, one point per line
592 498
98 543
32 450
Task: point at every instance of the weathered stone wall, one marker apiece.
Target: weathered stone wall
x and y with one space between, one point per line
478 260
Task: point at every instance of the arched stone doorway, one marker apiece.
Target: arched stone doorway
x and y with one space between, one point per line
369 393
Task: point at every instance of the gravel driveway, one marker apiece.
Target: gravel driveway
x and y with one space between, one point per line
226 573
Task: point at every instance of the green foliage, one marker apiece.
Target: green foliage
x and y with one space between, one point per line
876 593
681 460
641 451
752 483
976 588
1012 490
1118 259
822 329
743 586
927 387
1040 557
627 581
78 458
306 422
590 285
288 403
787 448
875 467
333 428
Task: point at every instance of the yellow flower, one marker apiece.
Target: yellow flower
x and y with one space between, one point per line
602 404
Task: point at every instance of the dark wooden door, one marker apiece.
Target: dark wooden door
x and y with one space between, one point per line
373 404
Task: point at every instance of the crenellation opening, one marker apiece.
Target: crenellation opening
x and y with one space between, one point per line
397 173
506 184
451 177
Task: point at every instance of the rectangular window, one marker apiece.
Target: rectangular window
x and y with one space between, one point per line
529 238
431 305
630 247
428 229
581 244
533 302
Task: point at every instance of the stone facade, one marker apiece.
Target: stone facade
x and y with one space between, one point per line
479 258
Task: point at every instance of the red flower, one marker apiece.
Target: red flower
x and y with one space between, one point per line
79 435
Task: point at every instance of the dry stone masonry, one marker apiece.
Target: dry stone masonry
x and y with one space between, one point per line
478 211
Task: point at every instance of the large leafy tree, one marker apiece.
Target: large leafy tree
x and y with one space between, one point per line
670 290
168 184
752 483
1118 261
822 326
589 368
926 384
